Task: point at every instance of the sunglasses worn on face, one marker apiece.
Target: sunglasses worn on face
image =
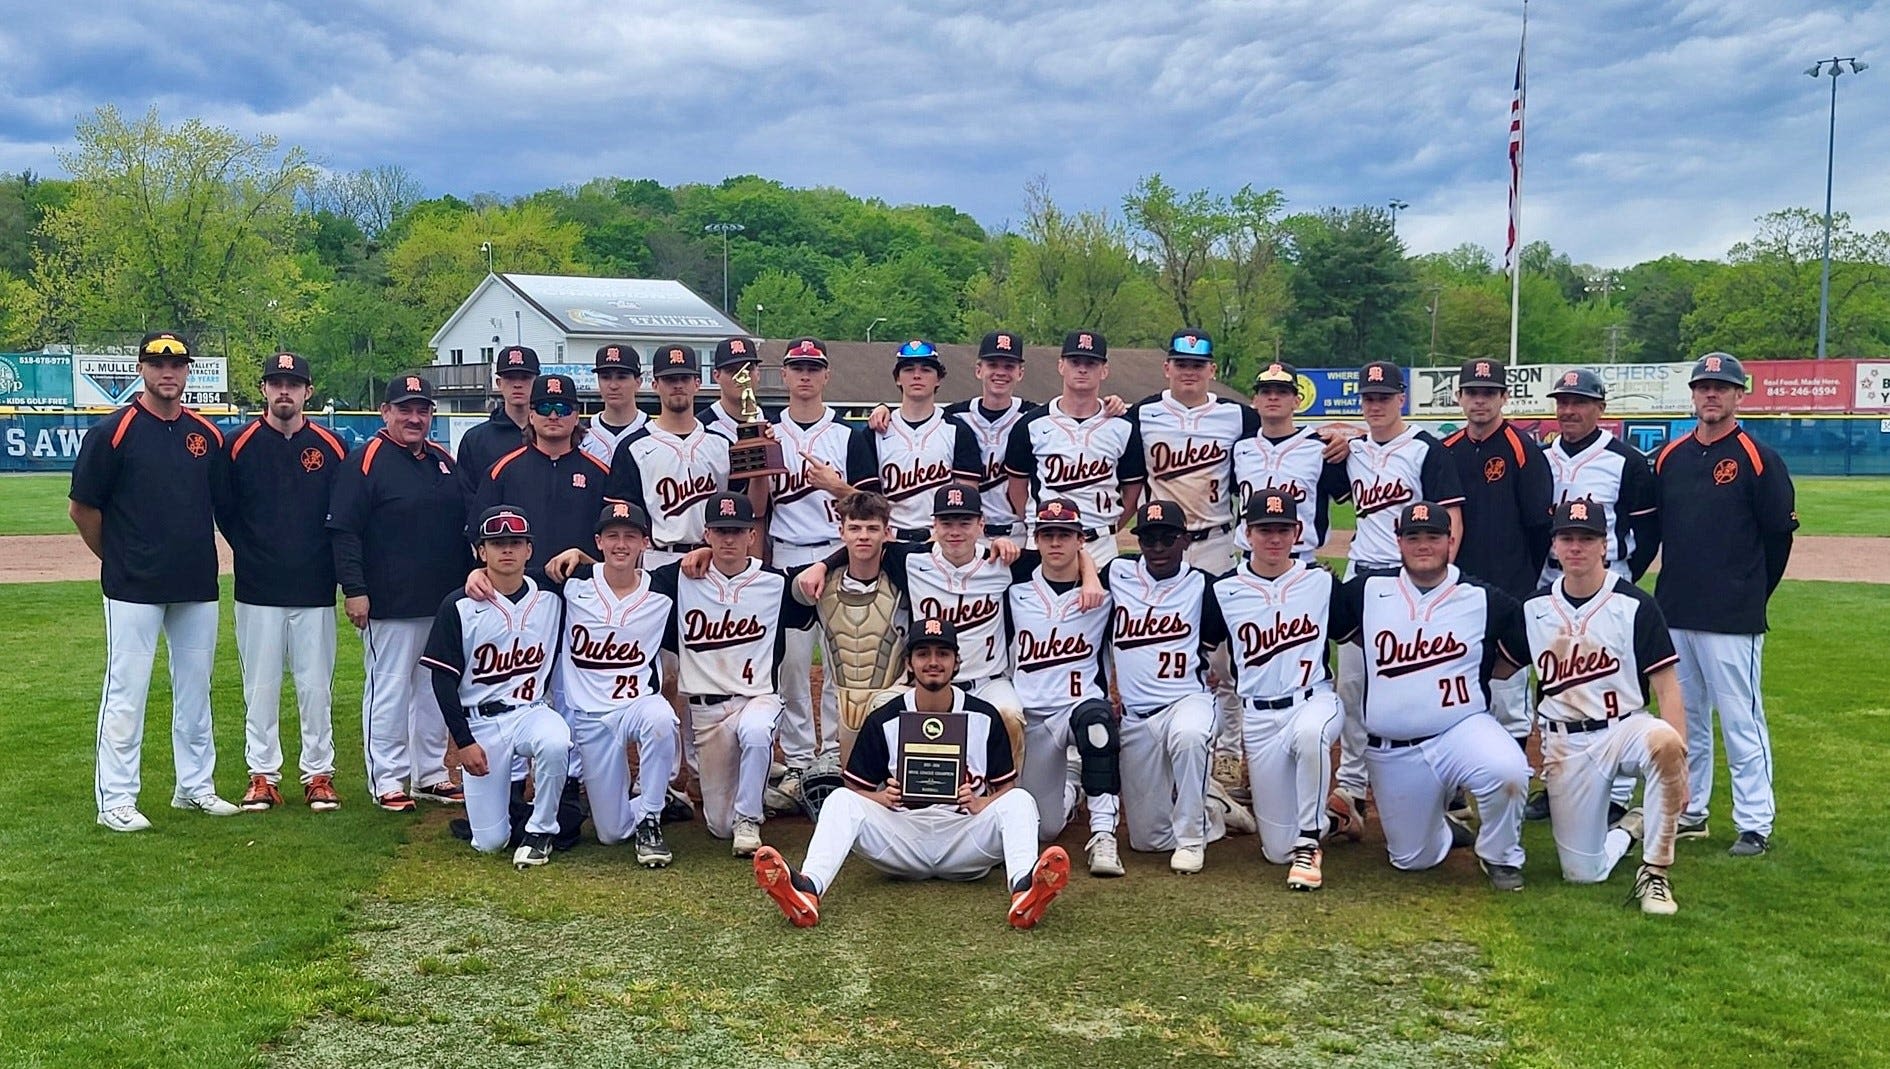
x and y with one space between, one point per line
554 408
1159 539
504 525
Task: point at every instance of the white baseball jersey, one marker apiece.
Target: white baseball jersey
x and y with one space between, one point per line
500 650
1294 464
670 477
1615 476
1383 478
907 461
1056 646
601 439
1278 628
1158 644
992 436
730 629
988 762
1086 460
1188 453
798 512
971 597
1592 660
610 644
1428 654
719 420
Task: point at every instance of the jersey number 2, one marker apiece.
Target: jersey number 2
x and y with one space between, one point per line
1456 690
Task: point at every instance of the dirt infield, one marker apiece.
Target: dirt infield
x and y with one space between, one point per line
1838 558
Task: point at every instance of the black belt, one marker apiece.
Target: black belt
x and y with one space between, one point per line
913 534
676 547
1282 703
492 709
1379 742
1206 533
1577 727
1098 533
710 699
807 545
999 530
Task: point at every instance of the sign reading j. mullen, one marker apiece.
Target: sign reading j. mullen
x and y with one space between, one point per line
110 381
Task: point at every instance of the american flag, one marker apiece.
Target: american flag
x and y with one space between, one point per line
1510 251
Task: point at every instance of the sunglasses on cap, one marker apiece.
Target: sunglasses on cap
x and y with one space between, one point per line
554 408
504 525
165 347
922 350
1195 346
1159 537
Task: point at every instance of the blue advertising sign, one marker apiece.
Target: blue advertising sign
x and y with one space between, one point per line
1331 392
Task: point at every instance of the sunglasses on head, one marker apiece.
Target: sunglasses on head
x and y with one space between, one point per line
1160 537
1196 346
166 347
554 408
504 525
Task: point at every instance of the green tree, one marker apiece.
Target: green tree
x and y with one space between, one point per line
360 336
910 291
1765 305
441 256
1353 292
1063 272
791 306
1657 296
19 314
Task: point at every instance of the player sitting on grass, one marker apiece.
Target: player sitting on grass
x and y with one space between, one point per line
991 822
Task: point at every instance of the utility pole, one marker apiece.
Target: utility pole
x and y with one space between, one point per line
725 229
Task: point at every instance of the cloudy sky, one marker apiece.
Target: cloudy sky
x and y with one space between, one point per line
1654 125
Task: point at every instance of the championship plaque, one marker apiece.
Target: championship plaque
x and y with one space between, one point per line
931 757
754 455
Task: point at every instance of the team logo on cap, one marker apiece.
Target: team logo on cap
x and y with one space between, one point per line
1004 342
1493 469
413 383
1568 379
577 480
514 357
1712 363
1085 341
1276 505
932 628
285 362
954 497
312 459
613 354
1154 512
1483 369
1420 512
1195 339
737 347
1725 471
620 511
674 356
554 386
1578 510
1054 510
806 348
197 446
1375 374
727 507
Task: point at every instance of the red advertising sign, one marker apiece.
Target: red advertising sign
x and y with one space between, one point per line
1799 385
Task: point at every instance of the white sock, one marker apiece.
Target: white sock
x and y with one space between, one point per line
1616 846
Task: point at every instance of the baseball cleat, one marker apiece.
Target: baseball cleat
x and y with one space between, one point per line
746 837
784 795
1104 858
206 803
790 890
1634 822
677 808
1048 878
652 850
261 795
445 792
1749 844
320 794
1690 829
396 802
1459 805
123 818
1304 874
1236 818
1187 860
535 850
1616 811
460 828
1461 833
1537 807
1347 813
1502 877
1653 891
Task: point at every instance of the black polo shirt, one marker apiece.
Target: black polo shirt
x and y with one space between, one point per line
1507 494
150 477
1727 515
398 522
273 492
560 497
482 446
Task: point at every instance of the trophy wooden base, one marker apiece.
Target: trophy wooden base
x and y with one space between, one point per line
754 456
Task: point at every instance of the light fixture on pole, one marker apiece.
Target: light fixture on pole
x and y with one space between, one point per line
725 229
1396 206
1829 68
758 310
870 326
486 247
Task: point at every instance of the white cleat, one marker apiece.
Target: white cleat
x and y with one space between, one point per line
124 818
207 803
1654 892
1236 818
1104 858
747 837
1187 860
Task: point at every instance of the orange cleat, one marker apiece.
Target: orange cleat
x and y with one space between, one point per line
799 905
1047 880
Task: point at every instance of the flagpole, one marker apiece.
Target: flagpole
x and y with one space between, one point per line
1515 204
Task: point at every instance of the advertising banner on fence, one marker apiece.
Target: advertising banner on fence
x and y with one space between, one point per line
1434 391
1798 386
36 379
1331 392
109 381
1633 389
1872 383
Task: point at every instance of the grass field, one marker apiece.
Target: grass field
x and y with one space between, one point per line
363 939
34 504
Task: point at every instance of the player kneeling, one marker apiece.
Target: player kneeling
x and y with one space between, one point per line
1598 641
491 669
989 822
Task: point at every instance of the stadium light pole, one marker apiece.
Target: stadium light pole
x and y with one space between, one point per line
1829 68
1396 206
870 326
725 229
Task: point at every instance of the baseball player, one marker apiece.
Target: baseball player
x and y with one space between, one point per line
513 372
276 476
1507 497
491 665
921 448
1072 448
1388 467
619 371
1728 511
1188 437
729 635
142 500
549 477
723 415
1433 639
1598 642
863 617
991 823
673 464
397 523
1159 648
1277 612
990 417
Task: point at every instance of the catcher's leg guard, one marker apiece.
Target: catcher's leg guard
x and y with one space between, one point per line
1093 725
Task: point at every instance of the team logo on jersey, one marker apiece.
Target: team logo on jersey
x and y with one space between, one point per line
700 632
1561 670
1258 645
1400 657
1725 471
1150 628
677 495
1072 473
604 651
1036 654
1493 470
901 483
444 470
1164 459
494 665
312 459
577 480
966 614
1381 496
197 445
994 473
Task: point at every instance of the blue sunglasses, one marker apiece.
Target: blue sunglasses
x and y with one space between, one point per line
915 349
1191 345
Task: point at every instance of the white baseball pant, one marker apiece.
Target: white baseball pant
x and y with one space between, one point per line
1413 786
1351 690
601 739
403 734
734 746
934 843
1721 673
1216 555
1579 771
1048 773
131 634
801 740
651 560
1509 704
1289 765
1164 775
535 732
266 635
1213 554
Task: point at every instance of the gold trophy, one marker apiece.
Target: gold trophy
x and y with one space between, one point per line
755 453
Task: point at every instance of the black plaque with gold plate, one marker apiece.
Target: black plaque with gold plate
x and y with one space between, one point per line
931 757
755 454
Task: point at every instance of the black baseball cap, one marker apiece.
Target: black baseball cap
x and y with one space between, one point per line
1001 345
1579 382
919 351
1718 367
805 351
957 499
1423 516
932 631
1160 513
619 356
1380 377
1190 343
728 510
1059 512
502 521
734 352
408 388
1579 514
675 360
515 360
164 345
1488 373
554 388
1279 373
1088 343
623 512
1271 506
286 365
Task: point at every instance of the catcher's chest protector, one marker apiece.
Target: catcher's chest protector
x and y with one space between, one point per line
865 653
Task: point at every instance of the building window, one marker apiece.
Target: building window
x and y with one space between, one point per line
459 356
560 352
487 353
